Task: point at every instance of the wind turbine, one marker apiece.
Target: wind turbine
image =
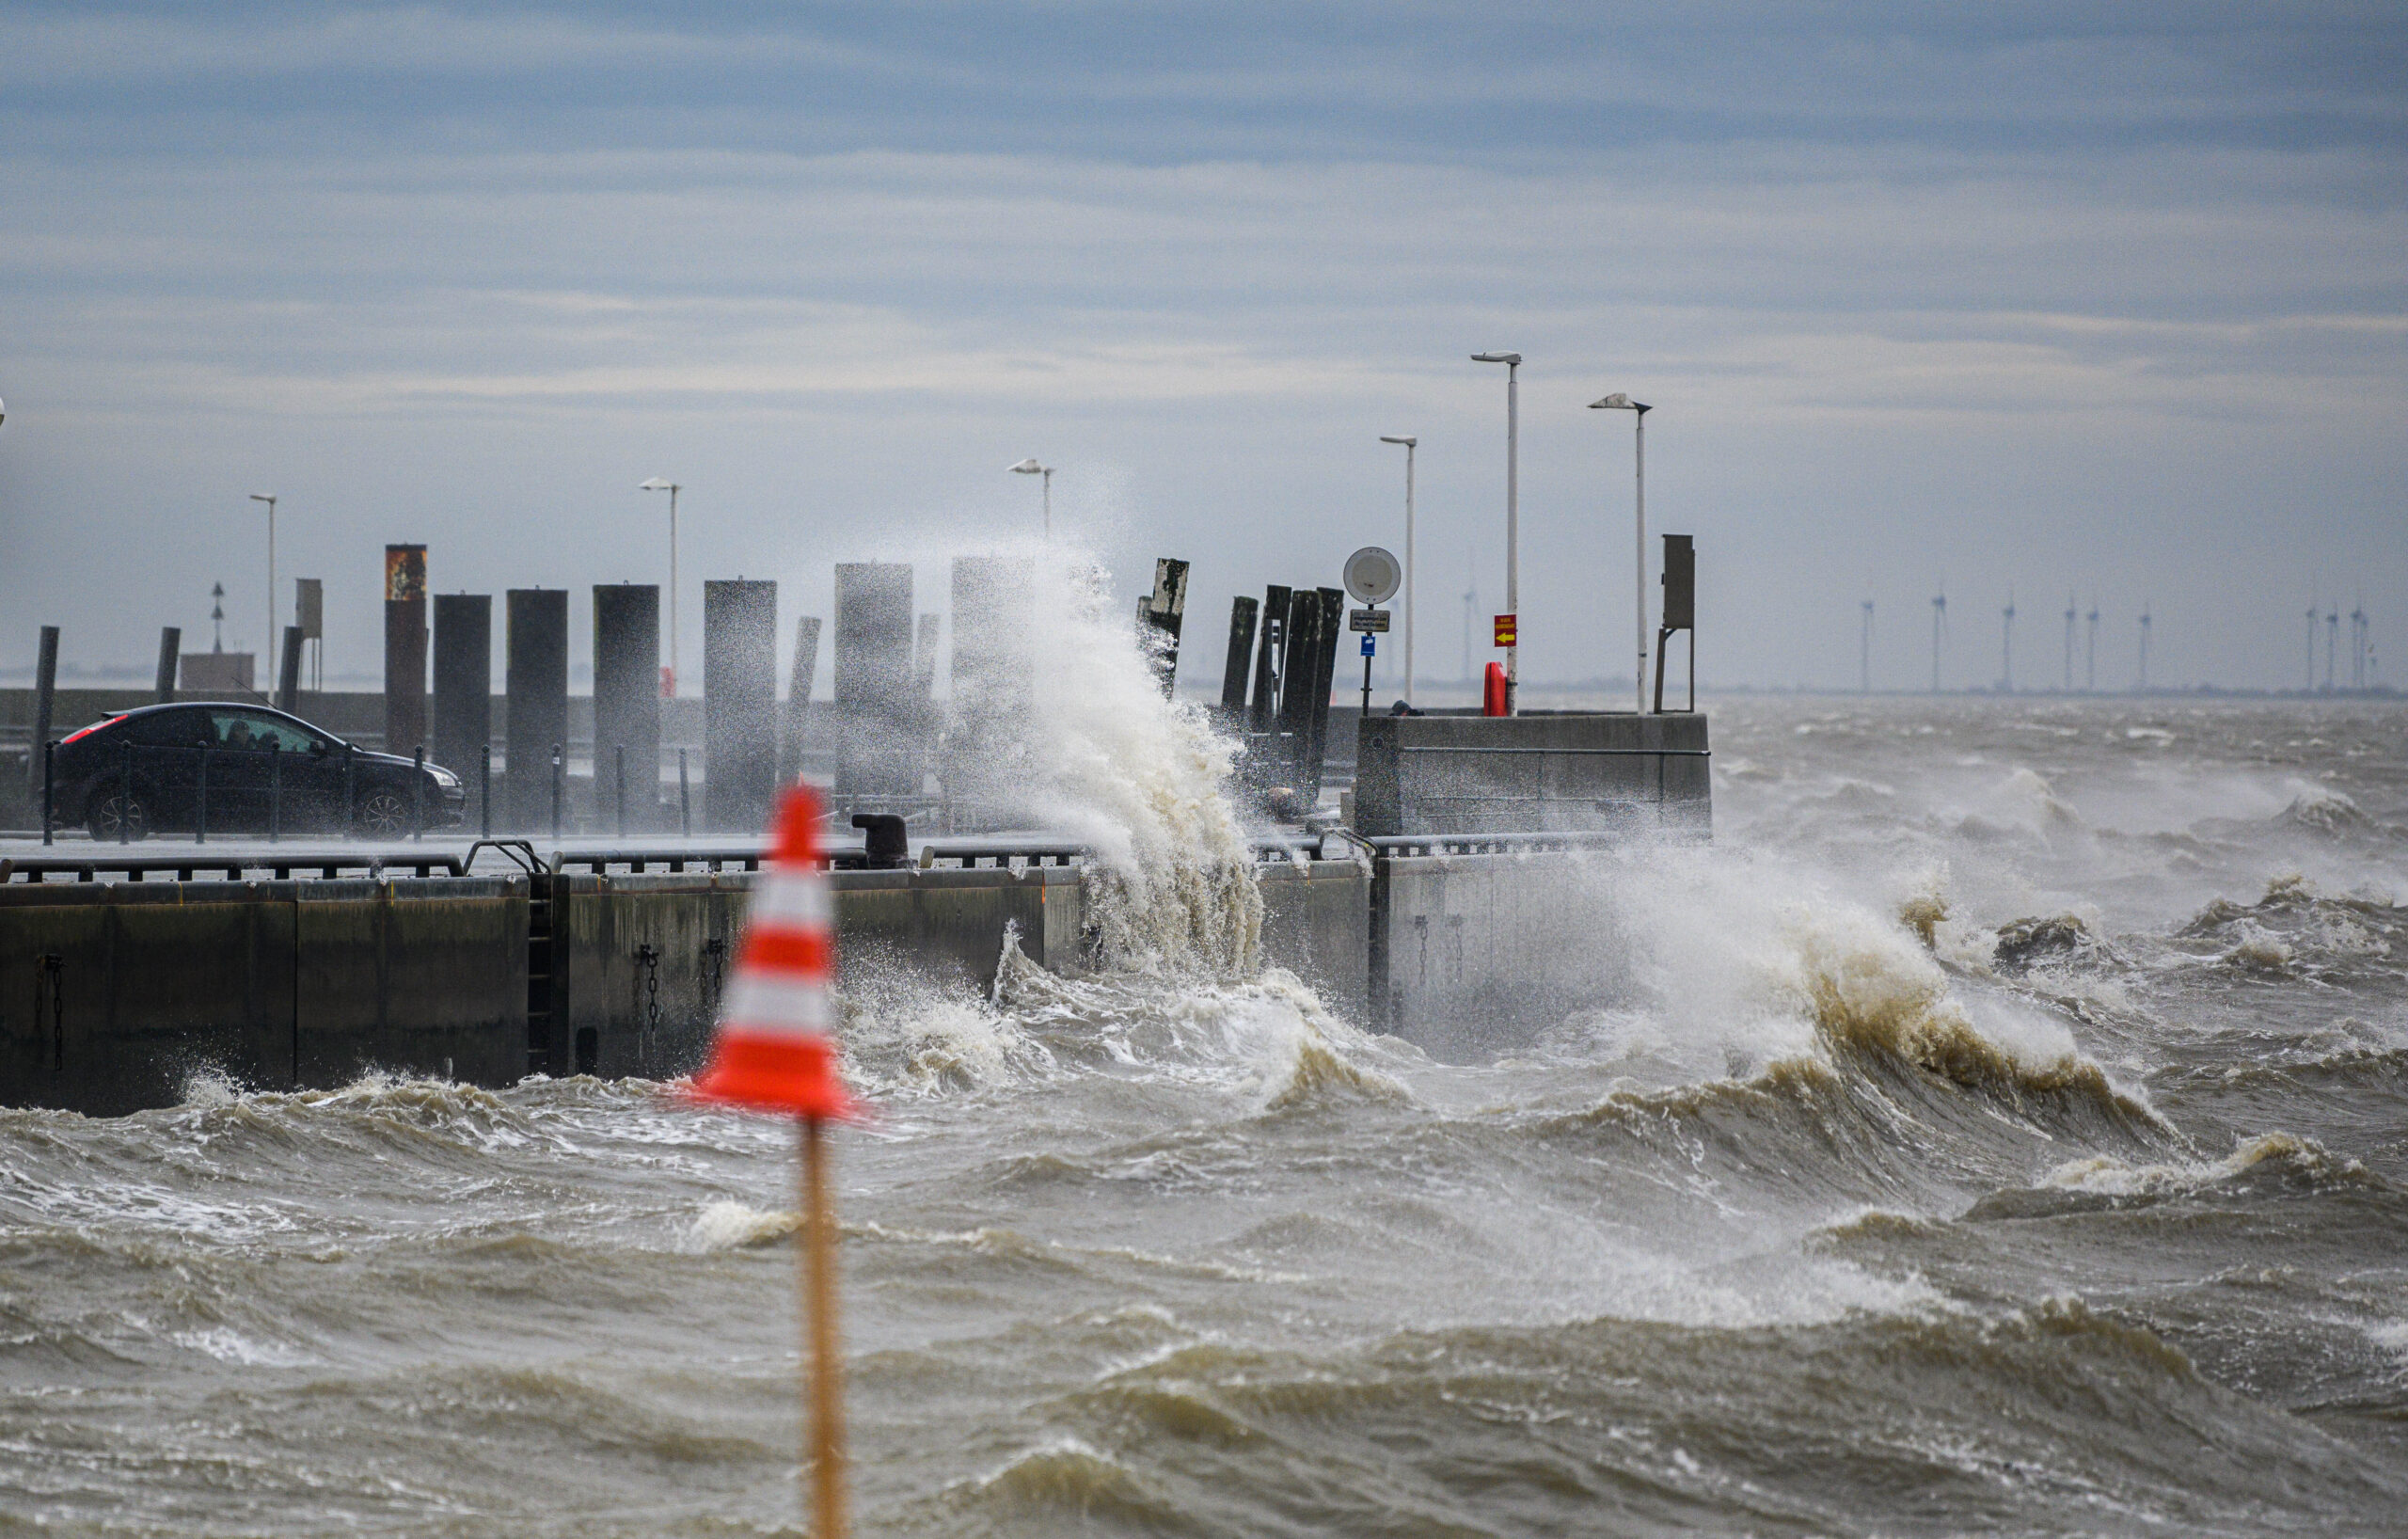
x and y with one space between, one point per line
1864 659
2090 658
2312 617
1471 602
2361 626
2144 647
2006 648
2332 643
2071 617
1939 626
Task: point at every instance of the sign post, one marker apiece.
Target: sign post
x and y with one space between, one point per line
1372 578
774 1053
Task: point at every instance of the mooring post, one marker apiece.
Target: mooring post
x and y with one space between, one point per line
417 793
162 683
45 688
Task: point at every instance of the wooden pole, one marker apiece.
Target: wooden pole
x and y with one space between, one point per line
823 1371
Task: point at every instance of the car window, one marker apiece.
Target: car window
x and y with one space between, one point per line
167 729
253 730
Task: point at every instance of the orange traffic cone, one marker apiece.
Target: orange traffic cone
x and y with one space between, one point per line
774 1051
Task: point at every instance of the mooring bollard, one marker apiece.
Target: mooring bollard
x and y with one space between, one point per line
275 790
49 786
620 752
125 796
560 775
484 795
685 800
418 792
200 800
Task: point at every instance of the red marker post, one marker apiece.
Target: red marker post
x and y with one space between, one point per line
775 1051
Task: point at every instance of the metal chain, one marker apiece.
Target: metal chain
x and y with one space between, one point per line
648 958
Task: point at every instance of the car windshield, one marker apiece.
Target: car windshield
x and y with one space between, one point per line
251 729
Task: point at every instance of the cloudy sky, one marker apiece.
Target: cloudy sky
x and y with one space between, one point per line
2027 298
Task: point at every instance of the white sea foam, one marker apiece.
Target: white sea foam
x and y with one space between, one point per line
728 1224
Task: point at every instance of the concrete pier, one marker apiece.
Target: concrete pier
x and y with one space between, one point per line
880 721
626 706
463 684
404 648
535 679
740 702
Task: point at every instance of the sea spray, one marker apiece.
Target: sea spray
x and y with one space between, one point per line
1099 755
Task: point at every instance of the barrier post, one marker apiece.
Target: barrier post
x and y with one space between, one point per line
774 1052
275 790
417 793
620 753
484 794
49 787
560 775
125 796
685 799
200 800
350 789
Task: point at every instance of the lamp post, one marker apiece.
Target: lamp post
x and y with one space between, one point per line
1030 467
669 675
1639 409
1513 362
1409 446
270 499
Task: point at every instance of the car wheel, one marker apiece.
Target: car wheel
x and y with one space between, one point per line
113 815
384 815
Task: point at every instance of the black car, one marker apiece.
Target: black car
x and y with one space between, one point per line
228 768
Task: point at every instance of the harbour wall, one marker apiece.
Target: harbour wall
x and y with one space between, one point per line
113 995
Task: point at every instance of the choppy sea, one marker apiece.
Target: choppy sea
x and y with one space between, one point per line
2002 1127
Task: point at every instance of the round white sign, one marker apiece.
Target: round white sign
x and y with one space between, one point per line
1373 574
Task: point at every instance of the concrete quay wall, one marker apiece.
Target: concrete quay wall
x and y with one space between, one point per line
114 994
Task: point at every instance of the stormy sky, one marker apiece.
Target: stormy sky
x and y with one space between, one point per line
2027 298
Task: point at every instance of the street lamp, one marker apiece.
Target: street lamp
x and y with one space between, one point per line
1409 445
267 646
669 674
1030 467
1513 362
1619 402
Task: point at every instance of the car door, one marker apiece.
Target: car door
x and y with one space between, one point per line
238 770
312 771
166 762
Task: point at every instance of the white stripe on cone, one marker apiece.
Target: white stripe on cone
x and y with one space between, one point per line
786 898
769 1003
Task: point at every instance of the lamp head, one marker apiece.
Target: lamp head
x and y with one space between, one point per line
264 496
1620 401
1028 468
1496 358
1407 442
656 483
